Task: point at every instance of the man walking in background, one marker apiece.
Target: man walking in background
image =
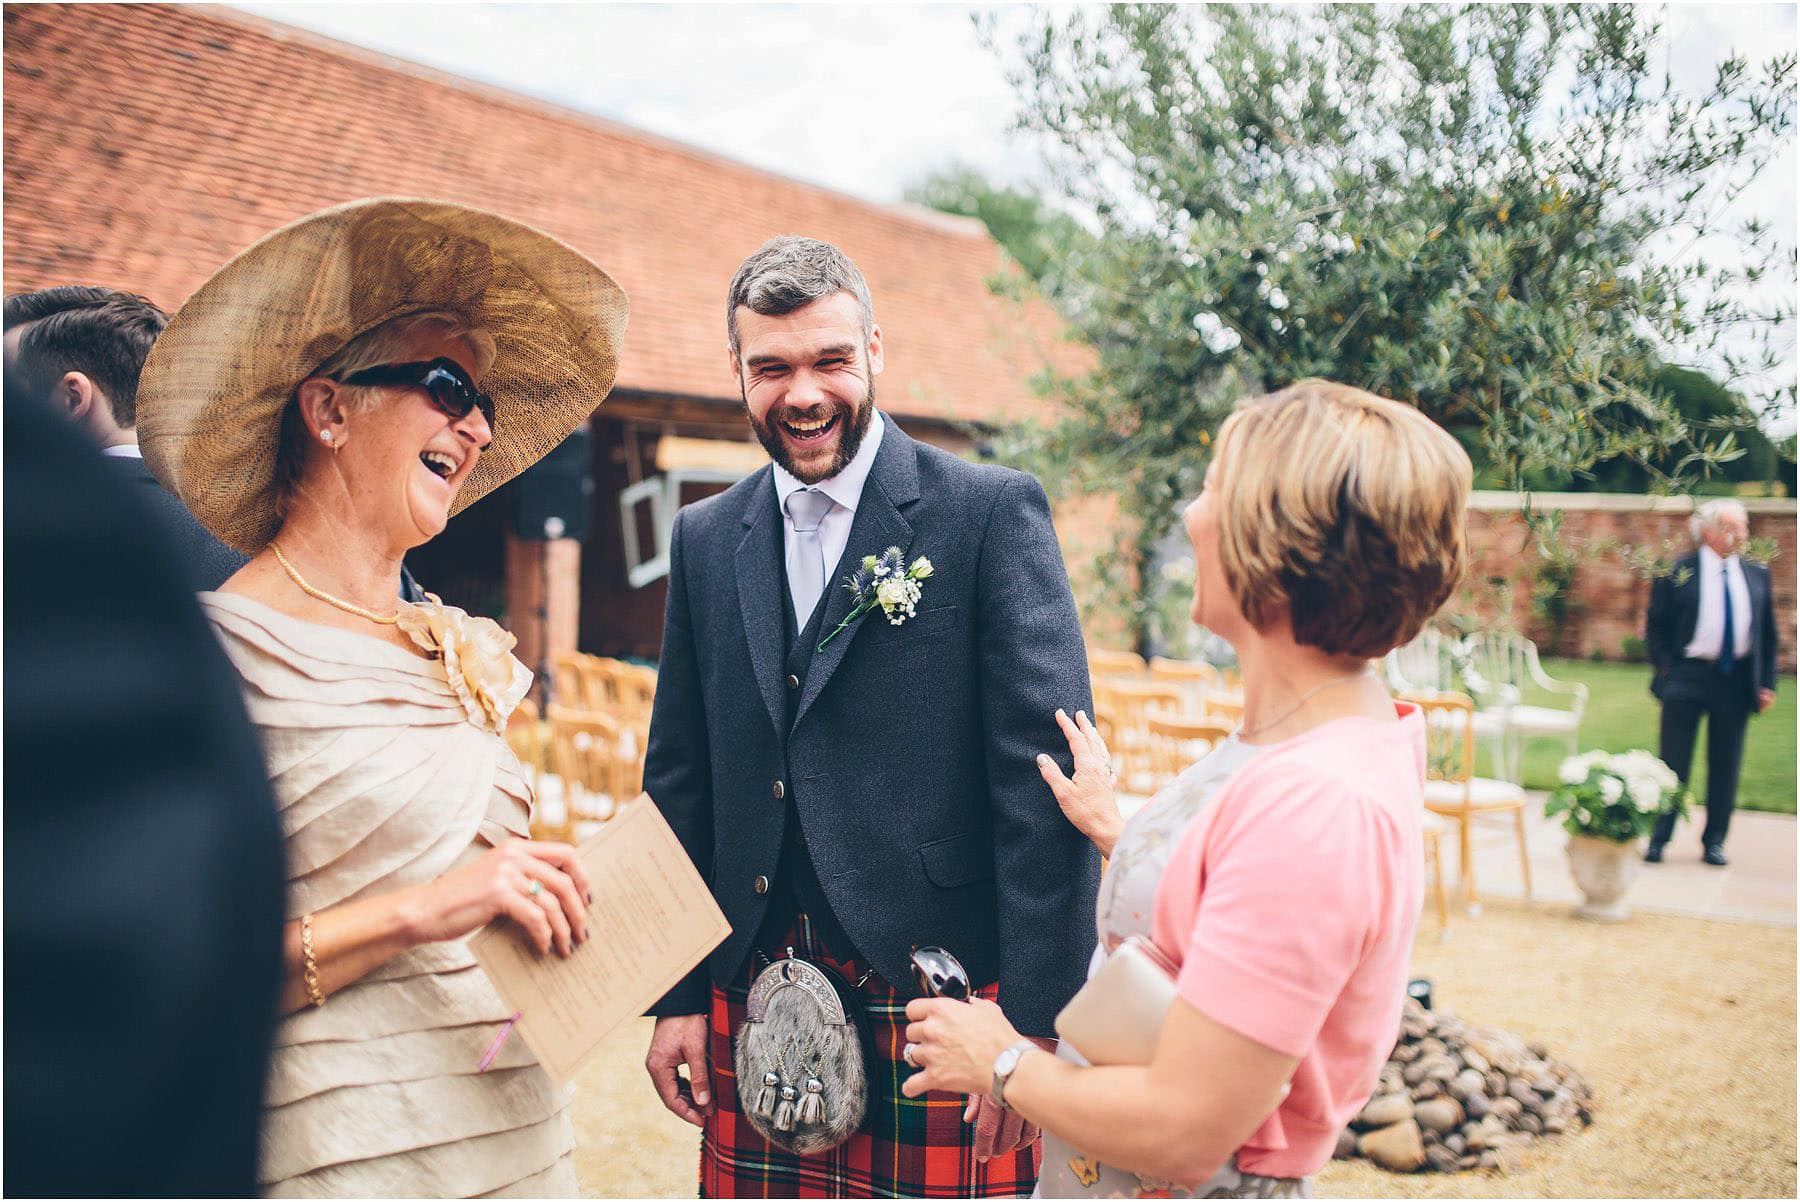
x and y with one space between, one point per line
1711 632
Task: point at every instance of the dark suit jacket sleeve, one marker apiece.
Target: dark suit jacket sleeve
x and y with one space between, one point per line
677 766
1033 662
1658 636
1767 638
205 560
144 879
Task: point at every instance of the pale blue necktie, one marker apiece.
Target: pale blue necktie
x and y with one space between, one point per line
806 554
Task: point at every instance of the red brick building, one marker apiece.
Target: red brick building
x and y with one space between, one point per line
145 145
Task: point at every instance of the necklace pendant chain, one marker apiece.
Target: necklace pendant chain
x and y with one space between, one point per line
320 594
1252 732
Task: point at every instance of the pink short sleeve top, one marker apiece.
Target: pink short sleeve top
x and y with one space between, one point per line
1291 908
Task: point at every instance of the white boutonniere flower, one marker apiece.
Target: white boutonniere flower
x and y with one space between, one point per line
887 581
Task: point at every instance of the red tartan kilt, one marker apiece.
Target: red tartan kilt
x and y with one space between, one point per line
908 1147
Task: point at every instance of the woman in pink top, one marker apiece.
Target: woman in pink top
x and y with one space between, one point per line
1283 872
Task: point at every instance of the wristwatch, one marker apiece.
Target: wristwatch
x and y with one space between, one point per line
1004 1064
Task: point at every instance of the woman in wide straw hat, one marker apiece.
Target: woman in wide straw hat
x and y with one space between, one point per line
323 405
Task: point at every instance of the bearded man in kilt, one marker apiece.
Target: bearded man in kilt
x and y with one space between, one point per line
864 648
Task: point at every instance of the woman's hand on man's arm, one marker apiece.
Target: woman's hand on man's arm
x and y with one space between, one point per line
1088 799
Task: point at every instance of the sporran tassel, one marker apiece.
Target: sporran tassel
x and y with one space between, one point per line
784 1112
765 1097
812 1106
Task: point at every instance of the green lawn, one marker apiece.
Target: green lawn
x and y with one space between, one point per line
1622 715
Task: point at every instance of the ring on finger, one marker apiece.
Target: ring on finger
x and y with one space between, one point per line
906 1054
537 887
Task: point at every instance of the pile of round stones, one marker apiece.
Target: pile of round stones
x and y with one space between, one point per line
1455 1097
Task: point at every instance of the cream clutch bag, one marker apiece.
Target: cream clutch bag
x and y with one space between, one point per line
1118 1016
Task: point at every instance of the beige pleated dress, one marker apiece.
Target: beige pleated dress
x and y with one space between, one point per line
385 781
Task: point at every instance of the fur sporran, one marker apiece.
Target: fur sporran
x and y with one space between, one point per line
801 1058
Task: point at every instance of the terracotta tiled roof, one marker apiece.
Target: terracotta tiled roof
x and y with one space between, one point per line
147 144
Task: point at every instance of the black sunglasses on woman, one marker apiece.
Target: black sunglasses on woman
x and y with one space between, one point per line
443 380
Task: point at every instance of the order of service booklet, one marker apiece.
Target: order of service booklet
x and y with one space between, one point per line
651 921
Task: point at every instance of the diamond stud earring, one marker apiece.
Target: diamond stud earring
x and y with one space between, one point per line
325 434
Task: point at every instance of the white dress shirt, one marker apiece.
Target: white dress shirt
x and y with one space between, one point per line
845 489
1709 628
124 450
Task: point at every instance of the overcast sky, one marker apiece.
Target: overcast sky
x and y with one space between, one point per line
865 99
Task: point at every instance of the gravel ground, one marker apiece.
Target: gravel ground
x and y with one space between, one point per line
1686 1029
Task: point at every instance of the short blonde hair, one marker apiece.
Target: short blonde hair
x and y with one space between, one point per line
1343 507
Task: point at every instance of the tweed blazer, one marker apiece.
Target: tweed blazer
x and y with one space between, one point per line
911 758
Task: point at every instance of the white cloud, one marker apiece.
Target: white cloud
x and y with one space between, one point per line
863 99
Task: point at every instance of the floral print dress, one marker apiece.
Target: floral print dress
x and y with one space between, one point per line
1125 907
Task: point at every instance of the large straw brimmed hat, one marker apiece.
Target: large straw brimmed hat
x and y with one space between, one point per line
213 390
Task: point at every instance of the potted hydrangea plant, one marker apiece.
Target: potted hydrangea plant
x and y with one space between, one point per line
1608 802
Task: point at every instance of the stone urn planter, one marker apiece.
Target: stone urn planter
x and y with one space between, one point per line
1608 801
1604 870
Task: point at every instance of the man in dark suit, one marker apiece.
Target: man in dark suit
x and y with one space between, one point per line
857 786
83 348
143 860
1711 633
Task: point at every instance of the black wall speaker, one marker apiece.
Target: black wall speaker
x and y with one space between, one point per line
552 496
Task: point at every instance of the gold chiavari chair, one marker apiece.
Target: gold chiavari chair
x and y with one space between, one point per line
1433 830
525 735
1115 665
636 687
584 753
567 679
1453 791
1178 740
1194 679
599 690
1225 706
1128 705
636 690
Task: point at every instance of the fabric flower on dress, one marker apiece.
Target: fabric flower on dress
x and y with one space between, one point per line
477 658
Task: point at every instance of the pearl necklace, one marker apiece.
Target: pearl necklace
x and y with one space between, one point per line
320 594
1251 732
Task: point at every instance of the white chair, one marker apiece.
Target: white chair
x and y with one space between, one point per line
1505 667
1429 667
1424 665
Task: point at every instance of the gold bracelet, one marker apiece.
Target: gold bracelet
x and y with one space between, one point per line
312 966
